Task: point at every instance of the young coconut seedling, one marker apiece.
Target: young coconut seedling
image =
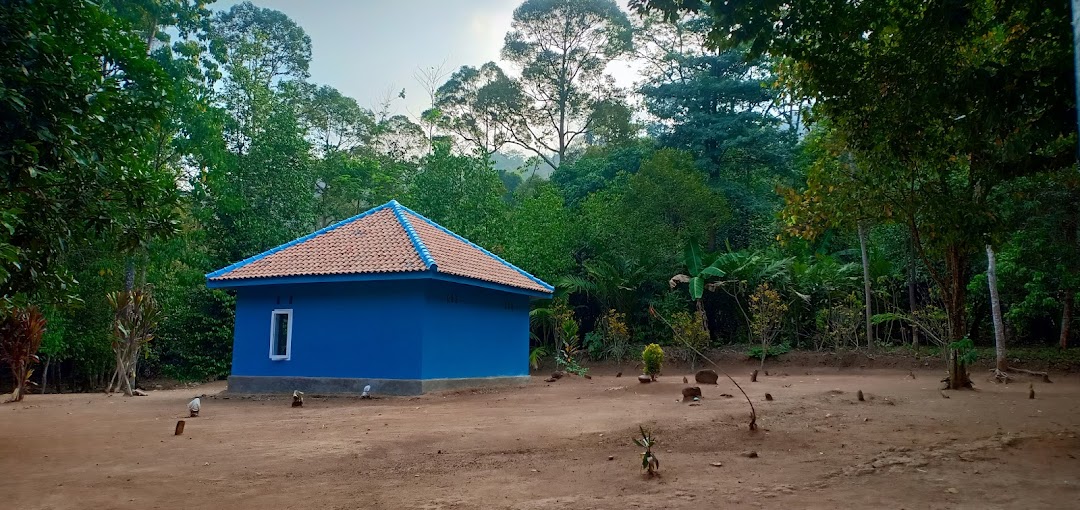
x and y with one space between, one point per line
649 462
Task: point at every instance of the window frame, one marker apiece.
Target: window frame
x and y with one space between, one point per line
288 312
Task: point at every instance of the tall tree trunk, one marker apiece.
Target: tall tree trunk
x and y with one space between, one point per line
995 309
45 375
954 294
129 274
911 294
1066 317
866 286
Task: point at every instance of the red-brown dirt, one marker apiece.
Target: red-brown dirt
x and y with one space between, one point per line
547 446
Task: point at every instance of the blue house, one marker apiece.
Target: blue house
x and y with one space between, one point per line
387 298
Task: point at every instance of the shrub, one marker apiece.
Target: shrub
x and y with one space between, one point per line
21 331
616 337
653 358
767 309
755 352
594 343
688 329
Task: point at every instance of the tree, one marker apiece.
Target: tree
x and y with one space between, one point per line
935 156
262 48
1001 364
335 123
723 108
463 194
562 48
471 103
542 237
80 100
136 318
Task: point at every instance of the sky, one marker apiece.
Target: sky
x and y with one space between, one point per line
370 48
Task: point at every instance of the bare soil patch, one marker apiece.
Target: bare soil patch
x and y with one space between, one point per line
548 446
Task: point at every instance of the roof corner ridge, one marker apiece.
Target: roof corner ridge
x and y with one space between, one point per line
418 244
483 250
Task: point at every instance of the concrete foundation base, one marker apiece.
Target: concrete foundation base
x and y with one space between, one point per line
241 384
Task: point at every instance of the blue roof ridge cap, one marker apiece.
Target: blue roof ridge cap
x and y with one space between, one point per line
488 253
227 269
418 244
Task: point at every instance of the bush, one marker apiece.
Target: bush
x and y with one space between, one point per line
594 343
754 352
616 335
653 358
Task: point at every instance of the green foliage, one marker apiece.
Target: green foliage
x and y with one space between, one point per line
611 338
472 101
767 310
463 194
562 49
570 348
594 344
542 236
535 355
758 352
649 462
653 359
79 100
688 328
965 351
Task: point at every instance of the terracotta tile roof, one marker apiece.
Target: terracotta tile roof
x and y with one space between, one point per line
387 239
454 255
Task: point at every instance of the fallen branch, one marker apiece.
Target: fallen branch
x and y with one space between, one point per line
753 412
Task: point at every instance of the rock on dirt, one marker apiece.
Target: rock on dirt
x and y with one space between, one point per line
750 454
690 392
706 376
644 379
557 375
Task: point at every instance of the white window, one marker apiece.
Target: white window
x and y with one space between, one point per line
281 334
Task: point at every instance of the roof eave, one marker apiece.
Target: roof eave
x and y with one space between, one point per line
368 277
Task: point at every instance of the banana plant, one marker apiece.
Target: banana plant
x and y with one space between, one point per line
699 269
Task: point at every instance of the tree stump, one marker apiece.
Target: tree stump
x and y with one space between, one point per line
179 428
860 396
753 376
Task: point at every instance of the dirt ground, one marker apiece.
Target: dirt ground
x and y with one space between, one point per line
548 446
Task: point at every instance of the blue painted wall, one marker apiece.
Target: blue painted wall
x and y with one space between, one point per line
363 329
474 332
404 329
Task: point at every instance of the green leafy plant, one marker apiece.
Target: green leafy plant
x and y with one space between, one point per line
965 350
649 462
566 357
594 343
616 335
535 355
688 327
653 358
767 310
757 352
